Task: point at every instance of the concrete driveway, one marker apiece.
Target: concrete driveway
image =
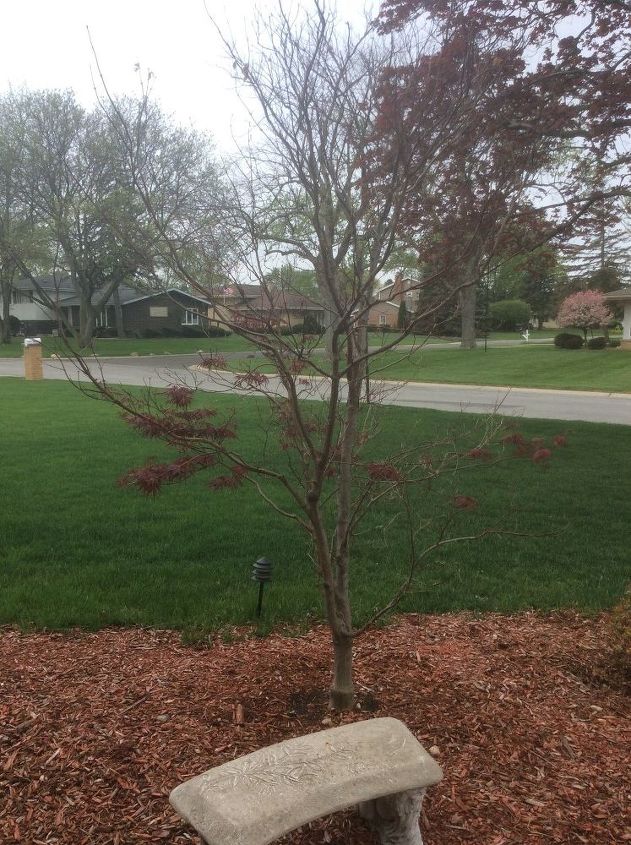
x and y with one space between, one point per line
158 371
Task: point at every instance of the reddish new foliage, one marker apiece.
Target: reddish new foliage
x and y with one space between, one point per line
215 361
189 431
384 472
516 438
149 426
297 365
180 395
534 449
175 426
150 478
234 479
250 379
541 456
464 503
581 83
480 453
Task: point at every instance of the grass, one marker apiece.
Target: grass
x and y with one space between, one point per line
108 347
114 347
79 551
524 366
606 370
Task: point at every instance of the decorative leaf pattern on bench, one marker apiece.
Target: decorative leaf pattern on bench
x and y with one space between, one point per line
296 764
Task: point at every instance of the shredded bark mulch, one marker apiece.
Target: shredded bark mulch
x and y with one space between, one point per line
96 729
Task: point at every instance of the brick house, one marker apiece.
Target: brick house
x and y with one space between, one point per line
256 306
384 311
38 314
170 310
163 312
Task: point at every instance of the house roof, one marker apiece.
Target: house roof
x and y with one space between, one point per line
245 291
388 302
284 302
125 293
61 289
52 283
169 292
620 295
270 297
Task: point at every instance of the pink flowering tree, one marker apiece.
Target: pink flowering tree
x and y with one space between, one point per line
584 310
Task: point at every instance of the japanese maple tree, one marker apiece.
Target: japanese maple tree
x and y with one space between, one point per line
312 190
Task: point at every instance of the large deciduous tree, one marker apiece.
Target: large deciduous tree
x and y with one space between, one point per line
529 91
80 200
21 239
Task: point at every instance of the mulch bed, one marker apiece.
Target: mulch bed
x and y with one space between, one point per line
95 729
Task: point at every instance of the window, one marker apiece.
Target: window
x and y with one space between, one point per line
102 320
19 297
382 319
191 318
158 311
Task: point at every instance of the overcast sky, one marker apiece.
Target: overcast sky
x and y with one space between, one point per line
45 45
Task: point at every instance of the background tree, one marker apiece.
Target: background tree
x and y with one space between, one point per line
509 314
299 281
584 310
577 95
21 239
533 277
82 202
541 275
599 254
402 316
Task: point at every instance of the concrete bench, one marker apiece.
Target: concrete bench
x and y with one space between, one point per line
377 764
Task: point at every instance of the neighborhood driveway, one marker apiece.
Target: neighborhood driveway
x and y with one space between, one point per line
156 371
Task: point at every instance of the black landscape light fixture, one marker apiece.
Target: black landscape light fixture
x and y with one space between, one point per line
262 574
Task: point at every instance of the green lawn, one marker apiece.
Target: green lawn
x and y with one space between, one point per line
524 366
107 347
111 347
606 370
78 550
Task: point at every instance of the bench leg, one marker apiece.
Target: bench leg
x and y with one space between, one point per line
395 817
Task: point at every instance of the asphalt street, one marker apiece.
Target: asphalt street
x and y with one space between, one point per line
158 371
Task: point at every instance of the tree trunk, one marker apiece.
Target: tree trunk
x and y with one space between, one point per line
86 323
342 692
118 314
330 323
5 322
468 296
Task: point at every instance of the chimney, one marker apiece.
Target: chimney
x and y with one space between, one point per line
398 288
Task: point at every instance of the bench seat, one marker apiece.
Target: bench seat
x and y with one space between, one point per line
257 798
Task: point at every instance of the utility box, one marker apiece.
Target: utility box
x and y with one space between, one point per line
33 370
